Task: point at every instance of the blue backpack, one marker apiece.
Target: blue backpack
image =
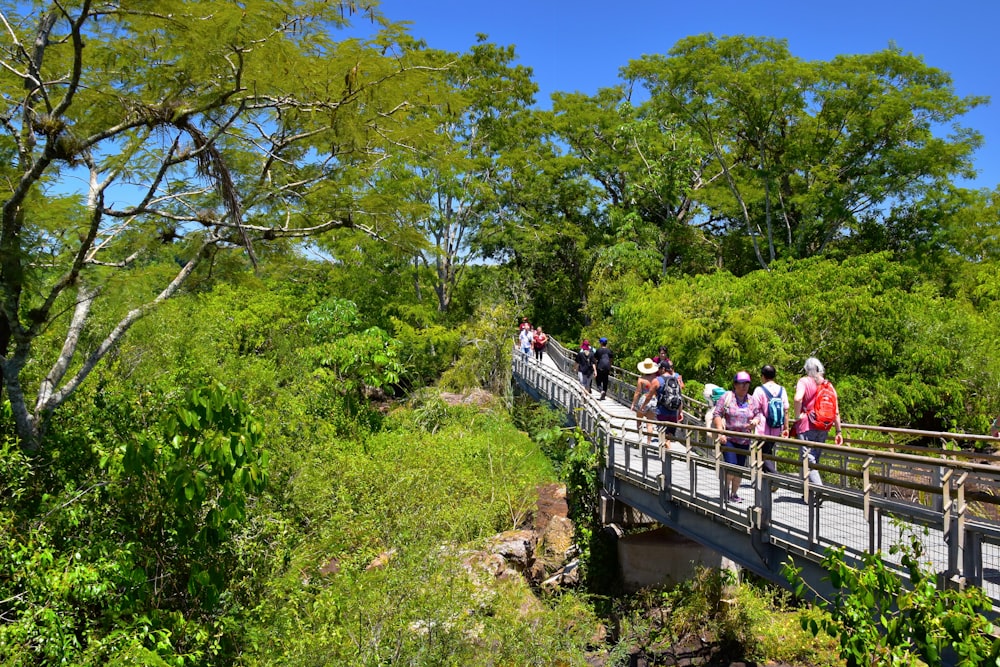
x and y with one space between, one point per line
775 413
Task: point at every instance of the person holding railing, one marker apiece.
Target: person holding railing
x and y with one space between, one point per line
736 411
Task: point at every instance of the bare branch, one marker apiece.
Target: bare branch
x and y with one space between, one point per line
57 397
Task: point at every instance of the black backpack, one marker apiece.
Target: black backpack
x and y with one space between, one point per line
668 396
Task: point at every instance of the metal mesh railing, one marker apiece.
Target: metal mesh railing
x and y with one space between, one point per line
874 488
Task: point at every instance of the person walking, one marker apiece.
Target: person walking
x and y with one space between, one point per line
539 342
817 410
525 338
736 411
643 406
712 394
585 365
772 400
603 356
669 399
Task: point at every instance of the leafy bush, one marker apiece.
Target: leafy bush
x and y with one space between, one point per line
420 493
899 351
880 621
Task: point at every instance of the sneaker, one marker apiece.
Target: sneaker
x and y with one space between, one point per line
603 394
735 499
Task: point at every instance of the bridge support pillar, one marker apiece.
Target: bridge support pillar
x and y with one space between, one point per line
611 510
662 558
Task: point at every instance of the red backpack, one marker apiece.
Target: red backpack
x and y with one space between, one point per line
823 413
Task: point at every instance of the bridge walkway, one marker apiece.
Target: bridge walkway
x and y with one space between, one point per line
874 491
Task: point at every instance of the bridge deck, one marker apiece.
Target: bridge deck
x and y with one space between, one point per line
681 485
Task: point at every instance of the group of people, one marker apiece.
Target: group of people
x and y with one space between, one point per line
815 410
810 416
592 362
532 339
659 394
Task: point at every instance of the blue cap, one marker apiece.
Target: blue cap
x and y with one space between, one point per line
603 341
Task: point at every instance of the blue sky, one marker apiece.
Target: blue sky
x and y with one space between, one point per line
580 46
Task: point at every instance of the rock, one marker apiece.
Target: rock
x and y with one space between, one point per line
517 547
557 538
479 397
600 635
488 563
551 502
567 576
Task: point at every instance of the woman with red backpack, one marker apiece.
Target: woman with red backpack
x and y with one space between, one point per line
816 412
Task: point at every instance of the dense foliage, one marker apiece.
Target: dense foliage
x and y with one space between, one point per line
227 293
879 622
902 348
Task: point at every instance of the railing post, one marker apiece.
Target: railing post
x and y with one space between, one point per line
805 479
973 559
954 524
667 468
866 489
756 465
941 475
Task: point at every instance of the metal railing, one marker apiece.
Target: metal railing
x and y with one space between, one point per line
873 486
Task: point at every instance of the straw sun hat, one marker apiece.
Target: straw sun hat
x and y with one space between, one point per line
647 366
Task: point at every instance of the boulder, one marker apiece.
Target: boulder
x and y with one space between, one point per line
517 547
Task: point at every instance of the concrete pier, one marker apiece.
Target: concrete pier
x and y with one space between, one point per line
662 558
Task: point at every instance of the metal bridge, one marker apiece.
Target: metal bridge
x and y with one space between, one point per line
880 485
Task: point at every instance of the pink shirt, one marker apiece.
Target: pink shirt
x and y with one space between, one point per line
761 398
736 416
806 388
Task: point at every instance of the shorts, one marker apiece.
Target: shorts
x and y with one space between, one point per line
734 458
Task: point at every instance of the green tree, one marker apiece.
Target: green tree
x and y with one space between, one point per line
882 622
143 139
645 165
809 150
451 186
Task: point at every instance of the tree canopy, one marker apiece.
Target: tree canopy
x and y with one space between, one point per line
239 240
145 138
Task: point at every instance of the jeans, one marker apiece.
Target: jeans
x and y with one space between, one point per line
813 453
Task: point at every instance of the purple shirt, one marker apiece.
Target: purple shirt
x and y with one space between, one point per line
736 415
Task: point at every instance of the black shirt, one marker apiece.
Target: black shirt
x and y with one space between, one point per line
604 356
